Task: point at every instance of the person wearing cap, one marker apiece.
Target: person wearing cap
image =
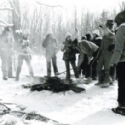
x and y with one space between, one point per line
4 43
106 54
118 60
69 56
50 43
24 54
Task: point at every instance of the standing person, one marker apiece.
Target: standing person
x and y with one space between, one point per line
97 40
118 60
24 54
4 41
50 43
69 56
105 54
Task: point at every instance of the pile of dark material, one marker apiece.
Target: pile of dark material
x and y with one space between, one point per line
55 84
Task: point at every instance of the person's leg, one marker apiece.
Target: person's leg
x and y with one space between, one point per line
28 62
4 66
99 68
10 64
4 59
94 72
74 68
54 62
121 83
19 66
67 69
48 63
107 58
112 73
85 64
120 69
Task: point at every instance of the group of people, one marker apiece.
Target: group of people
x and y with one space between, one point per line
100 58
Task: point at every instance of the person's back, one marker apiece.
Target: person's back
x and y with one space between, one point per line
118 60
50 44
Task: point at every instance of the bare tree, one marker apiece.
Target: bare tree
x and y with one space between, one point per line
122 6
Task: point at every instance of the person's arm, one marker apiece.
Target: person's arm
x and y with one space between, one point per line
119 46
44 44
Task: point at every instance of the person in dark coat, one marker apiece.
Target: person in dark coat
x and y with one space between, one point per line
118 60
106 54
69 56
88 37
50 43
97 40
82 62
24 54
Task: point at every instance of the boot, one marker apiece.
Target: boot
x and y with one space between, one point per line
99 83
105 85
5 78
119 110
88 81
17 79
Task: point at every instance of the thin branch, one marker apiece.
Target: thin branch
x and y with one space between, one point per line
6 8
14 8
48 5
4 23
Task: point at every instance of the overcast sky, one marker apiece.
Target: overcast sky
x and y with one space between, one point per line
90 5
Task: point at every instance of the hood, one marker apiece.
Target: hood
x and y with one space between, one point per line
120 18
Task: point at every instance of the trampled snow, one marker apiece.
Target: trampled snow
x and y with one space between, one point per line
92 107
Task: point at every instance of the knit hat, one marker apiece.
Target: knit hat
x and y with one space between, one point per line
68 34
120 18
96 32
83 38
26 32
88 36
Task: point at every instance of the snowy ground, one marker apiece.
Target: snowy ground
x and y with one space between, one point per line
92 107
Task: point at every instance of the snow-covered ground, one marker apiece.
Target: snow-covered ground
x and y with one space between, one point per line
92 107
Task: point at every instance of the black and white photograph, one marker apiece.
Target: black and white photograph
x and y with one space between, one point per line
62 62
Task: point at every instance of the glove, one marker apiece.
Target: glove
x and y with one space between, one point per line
111 47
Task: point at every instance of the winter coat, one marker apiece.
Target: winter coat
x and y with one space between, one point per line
24 48
107 41
97 41
88 47
119 51
69 50
51 47
4 41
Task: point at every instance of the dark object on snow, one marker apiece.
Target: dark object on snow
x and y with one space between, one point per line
55 84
